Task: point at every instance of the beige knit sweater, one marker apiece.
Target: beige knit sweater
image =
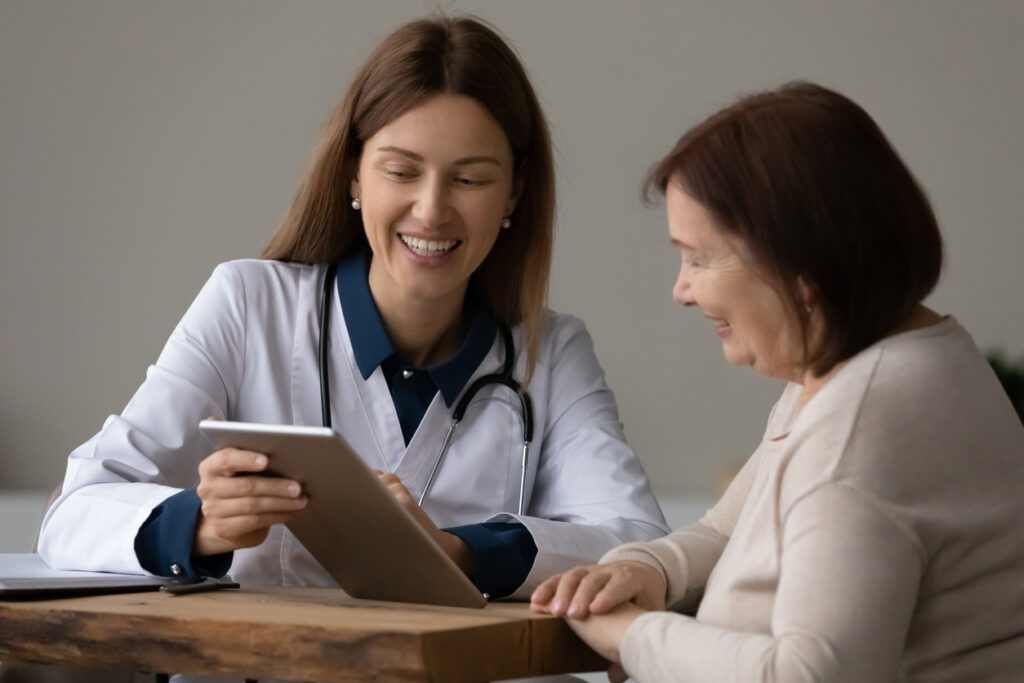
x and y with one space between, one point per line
877 534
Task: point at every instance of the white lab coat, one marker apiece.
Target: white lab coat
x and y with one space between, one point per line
246 350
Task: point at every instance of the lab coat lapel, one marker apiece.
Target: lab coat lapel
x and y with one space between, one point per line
369 423
379 416
418 458
361 410
305 370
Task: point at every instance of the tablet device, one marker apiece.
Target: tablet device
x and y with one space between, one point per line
352 524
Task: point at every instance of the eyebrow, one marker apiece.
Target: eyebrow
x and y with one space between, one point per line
482 158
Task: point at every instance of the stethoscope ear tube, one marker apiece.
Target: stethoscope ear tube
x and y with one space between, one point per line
325 335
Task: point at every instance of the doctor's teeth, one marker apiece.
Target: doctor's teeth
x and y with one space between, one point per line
428 247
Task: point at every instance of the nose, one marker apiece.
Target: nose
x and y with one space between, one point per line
431 206
681 290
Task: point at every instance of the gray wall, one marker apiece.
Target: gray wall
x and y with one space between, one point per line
143 142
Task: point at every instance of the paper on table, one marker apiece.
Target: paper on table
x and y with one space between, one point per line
26 575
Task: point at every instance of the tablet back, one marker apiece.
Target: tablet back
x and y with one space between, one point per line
352 525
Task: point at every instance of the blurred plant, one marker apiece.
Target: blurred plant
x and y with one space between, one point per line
1011 376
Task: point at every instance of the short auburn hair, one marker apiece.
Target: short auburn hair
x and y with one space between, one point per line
419 60
808 181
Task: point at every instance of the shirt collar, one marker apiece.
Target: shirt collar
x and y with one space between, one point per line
370 341
452 375
372 346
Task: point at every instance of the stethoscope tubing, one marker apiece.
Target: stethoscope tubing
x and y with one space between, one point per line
504 378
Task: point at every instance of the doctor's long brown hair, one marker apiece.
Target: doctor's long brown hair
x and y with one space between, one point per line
456 56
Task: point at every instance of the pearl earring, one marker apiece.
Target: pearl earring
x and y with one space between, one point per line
356 204
506 223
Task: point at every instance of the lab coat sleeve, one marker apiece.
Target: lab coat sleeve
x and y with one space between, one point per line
590 493
152 450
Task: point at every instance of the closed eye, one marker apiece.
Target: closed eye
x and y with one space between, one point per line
690 258
399 174
470 182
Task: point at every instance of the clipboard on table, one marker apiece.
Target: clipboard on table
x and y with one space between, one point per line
25 576
352 525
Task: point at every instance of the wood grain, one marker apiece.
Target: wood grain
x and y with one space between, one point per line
296 633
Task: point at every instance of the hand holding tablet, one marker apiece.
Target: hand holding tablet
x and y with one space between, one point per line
237 511
351 523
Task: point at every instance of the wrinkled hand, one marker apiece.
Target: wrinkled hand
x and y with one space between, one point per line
238 511
452 545
600 588
603 633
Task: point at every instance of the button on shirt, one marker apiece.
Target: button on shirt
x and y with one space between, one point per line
503 552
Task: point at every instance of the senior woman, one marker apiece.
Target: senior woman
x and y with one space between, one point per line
876 532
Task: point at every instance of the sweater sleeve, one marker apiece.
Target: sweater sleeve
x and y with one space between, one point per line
847 589
687 555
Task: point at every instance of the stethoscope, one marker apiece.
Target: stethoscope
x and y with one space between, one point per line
504 377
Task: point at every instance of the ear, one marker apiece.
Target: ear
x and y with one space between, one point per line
517 192
511 205
353 187
806 296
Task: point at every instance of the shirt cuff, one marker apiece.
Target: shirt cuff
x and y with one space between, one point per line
164 541
503 554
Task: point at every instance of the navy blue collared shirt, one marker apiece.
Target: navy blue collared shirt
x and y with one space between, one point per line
412 389
503 552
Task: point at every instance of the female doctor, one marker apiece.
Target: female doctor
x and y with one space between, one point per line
431 195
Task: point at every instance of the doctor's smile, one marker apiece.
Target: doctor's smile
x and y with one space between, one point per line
427 247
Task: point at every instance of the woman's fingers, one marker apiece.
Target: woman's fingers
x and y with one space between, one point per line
542 594
452 545
227 461
558 594
614 592
401 494
566 590
598 589
237 511
252 505
631 581
242 525
224 534
218 477
590 585
253 486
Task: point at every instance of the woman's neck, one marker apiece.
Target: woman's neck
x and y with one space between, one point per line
426 332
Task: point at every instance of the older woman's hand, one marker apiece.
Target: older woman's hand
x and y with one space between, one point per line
598 589
603 633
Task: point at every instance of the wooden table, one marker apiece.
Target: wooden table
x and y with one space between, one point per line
296 633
